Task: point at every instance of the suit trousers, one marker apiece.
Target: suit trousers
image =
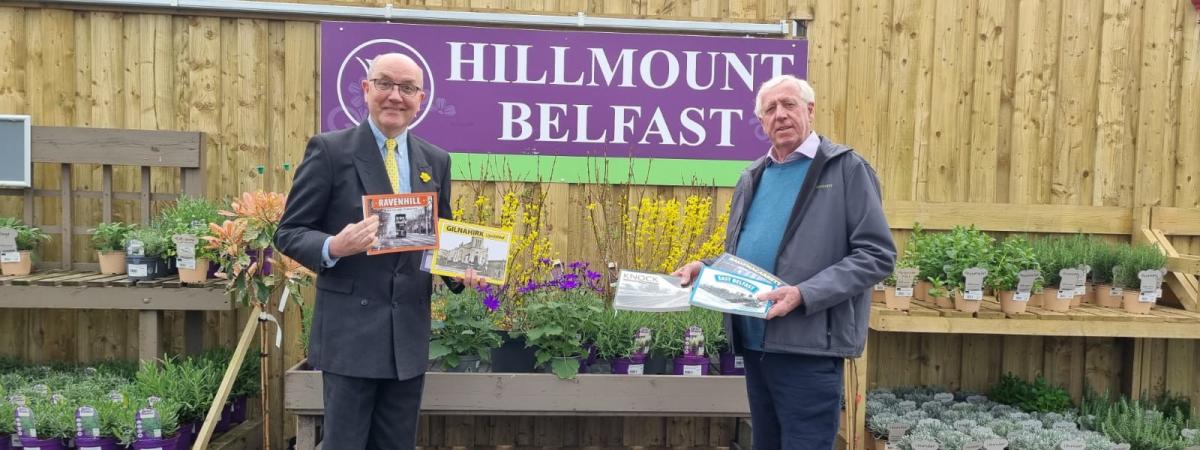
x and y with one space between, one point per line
371 413
795 400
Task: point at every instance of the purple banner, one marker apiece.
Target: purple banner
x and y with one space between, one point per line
567 93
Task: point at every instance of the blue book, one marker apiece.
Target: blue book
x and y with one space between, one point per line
730 293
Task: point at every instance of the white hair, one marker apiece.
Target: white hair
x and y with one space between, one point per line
806 91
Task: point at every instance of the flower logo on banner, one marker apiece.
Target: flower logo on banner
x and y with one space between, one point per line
350 109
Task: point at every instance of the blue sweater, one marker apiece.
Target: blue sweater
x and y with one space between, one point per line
762 233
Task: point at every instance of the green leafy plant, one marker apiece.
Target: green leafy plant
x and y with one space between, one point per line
154 242
1105 257
1038 396
467 330
28 238
937 288
1009 258
966 248
1133 422
189 216
111 236
555 324
1136 259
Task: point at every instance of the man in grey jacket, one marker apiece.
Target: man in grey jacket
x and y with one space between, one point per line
809 211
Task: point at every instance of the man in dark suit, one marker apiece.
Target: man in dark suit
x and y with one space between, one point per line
370 334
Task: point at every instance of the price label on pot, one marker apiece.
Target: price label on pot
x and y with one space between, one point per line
1064 294
996 443
896 432
1081 288
974 279
904 292
137 270
636 369
135 248
1070 279
1116 292
148 424
186 263
1026 278
87 424
185 245
10 257
1021 296
1071 445
879 287
973 295
692 370
906 277
739 362
924 445
24 422
943 397
1064 426
8 240
973 445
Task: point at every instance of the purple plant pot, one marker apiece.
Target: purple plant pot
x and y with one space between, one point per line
187 434
226 421
691 365
729 365
100 443
6 442
170 443
621 366
267 254
591 353
237 410
43 444
213 267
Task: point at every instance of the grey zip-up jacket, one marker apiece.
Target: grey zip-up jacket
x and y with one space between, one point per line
836 246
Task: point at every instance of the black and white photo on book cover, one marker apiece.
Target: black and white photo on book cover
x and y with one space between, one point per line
407 222
728 293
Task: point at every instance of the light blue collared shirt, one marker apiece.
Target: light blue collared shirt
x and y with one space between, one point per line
401 164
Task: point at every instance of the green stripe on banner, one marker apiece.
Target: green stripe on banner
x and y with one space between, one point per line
608 170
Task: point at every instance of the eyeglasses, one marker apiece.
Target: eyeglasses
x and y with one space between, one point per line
386 85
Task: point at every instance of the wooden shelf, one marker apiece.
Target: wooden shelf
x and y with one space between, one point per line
90 290
1086 320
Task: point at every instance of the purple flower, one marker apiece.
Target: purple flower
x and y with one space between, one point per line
528 287
575 266
545 261
491 302
592 275
568 282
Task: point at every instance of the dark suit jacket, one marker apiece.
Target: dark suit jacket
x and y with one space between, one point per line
372 312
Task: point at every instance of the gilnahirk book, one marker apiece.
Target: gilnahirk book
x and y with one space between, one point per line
407 222
468 246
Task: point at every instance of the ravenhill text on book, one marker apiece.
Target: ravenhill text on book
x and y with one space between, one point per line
407 222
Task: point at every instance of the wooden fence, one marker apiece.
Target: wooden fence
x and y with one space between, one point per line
1039 102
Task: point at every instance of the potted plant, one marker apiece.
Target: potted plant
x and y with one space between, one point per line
54 424
969 248
666 342
27 239
1104 259
1010 257
554 326
145 250
1080 250
109 240
1138 259
1053 256
463 339
190 216
938 292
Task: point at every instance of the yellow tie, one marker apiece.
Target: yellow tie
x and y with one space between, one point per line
389 163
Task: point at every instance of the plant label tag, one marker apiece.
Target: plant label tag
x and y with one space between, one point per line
116 397
1122 447
879 287
924 445
973 295
904 292
1151 279
891 446
148 424
1188 433
896 432
692 370
426 261
944 397
739 362
974 279
16 400
186 263
10 257
1072 445
1081 290
1064 294
636 369
137 270
135 248
1070 279
16 441
1026 278
1194 447
995 443
906 277
1158 293
152 400
641 341
907 405
24 423
41 389
185 245
1021 297
976 399
57 399
1115 292
87 424
964 426
973 445
8 240
693 341
1147 298
1065 426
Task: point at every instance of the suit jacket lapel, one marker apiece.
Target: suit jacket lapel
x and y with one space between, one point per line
419 165
368 162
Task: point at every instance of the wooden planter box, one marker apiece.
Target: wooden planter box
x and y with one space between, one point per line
540 394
